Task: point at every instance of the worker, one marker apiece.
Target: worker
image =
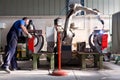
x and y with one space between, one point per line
12 39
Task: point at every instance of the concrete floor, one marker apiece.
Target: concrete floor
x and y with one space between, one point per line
74 73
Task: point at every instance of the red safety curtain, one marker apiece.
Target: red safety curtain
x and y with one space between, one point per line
31 44
104 41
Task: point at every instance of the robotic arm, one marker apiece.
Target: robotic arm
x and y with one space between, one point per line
74 9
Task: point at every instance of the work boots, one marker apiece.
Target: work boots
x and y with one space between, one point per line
5 68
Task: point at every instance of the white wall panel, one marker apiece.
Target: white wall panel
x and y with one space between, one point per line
117 5
90 3
95 4
106 7
74 1
86 3
101 5
111 6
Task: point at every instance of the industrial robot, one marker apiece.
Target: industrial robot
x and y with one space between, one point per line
74 9
67 34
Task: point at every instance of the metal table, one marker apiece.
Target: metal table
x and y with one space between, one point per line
36 57
98 59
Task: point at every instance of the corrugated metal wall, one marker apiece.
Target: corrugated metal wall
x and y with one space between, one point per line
32 7
104 6
52 7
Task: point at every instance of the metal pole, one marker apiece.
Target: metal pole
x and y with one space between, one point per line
58 72
59 50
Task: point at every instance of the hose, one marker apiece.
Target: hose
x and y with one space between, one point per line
39 38
35 36
97 45
90 43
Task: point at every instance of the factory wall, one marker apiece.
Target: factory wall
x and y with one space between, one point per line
85 26
107 7
116 33
32 7
53 7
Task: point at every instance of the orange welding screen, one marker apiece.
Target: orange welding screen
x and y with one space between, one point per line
104 41
31 44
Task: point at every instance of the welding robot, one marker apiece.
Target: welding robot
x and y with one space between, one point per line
74 9
67 34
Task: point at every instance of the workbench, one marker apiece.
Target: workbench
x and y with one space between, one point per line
98 59
36 57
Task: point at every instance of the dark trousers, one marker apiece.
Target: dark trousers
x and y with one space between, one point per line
10 57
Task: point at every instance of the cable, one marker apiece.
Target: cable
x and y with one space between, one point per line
90 43
37 40
42 39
